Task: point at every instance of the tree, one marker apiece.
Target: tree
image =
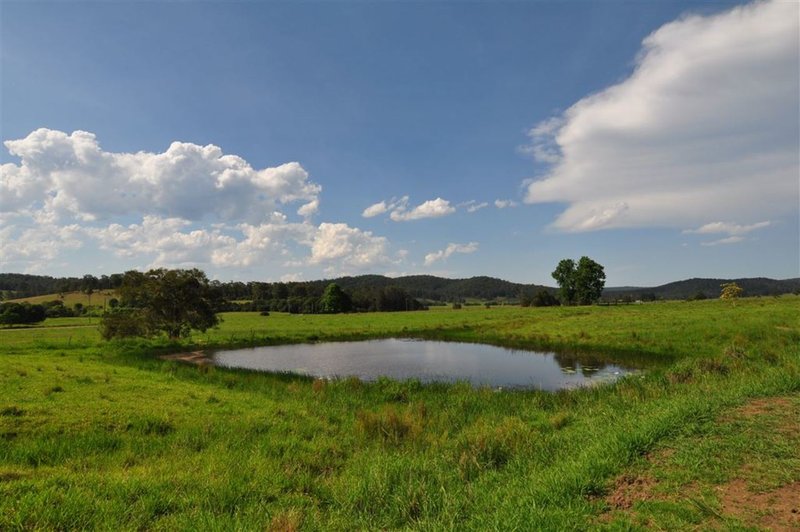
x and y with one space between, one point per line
334 300
21 313
590 279
582 283
564 275
88 285
543 298
169 301
731 291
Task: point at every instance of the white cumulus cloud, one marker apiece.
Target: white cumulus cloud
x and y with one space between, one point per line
375 210
309 209
705 126
188 206
435 208
399 210
349 246
32 247
71 175
443 254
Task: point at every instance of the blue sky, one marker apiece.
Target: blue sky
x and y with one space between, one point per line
659 138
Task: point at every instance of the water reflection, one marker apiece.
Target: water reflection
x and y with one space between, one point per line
428 361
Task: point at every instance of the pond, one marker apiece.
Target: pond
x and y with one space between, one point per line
428 361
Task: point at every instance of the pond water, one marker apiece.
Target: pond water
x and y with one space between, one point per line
428 361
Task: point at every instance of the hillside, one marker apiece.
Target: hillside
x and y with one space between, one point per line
440 288
756 286
98 298
425 287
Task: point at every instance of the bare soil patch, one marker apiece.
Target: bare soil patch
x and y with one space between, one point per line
194 357
777 510
629 490
760 407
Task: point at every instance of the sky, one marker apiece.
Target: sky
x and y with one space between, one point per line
295 141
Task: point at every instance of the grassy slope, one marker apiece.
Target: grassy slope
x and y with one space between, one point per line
104 435
70 298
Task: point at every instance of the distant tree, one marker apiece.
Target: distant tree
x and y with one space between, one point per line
21 313
525 299
730 291
580 283
564 274
56 309
280 291
115 280
124 323
169 301
88 285
543 298
590 279
334 300
698 296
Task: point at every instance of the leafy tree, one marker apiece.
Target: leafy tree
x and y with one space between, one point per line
21 313
124 323
543 298
169 301
564 274
580 283
88 285
525 299
730 291
334 300
590 279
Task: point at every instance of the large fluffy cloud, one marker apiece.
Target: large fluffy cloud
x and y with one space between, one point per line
188 206
72 175
37 245
173 242
348 246
704 129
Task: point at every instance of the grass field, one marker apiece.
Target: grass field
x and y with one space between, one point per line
106 435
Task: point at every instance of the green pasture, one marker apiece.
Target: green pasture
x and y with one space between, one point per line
106 435
98 298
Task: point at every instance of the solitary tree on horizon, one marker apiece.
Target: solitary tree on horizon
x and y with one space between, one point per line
580 283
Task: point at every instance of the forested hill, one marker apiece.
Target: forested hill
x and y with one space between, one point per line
706 288
429 287
442 289
426 287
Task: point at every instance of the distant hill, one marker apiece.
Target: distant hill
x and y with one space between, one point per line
21 285
425 287
440 288
756 286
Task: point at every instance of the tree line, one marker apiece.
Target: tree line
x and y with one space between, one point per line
428 288
174 302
